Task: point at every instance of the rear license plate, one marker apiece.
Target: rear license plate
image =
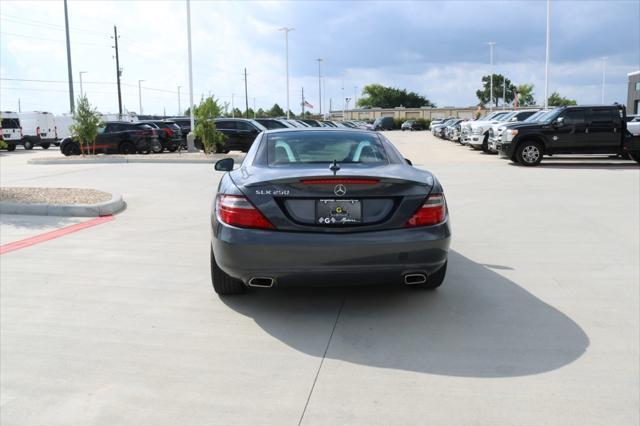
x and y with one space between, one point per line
338 212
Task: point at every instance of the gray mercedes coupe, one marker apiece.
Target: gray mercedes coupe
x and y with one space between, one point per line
322 207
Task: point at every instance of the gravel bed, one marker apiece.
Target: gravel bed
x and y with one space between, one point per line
53 195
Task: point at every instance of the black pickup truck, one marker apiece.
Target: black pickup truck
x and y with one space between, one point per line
117 137
593 129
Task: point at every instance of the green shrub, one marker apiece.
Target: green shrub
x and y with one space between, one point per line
424 122
397 122
3 144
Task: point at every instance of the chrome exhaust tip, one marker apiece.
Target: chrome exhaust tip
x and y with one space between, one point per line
410 279
264 282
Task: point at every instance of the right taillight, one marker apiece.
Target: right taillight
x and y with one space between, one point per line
432 212
236 210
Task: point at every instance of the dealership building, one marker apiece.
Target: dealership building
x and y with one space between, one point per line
633 93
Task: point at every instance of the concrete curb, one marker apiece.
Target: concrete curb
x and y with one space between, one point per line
115 205
122 160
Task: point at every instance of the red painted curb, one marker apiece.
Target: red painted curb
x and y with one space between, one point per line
17 245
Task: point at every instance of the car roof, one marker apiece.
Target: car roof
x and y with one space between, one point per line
318 129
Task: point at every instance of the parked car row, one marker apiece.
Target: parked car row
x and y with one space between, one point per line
526 136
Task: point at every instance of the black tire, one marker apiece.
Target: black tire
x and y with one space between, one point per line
223 284
485 144
127 148
635 156
27 143
69 149
45 145
434 280
11 147
173 148
529 153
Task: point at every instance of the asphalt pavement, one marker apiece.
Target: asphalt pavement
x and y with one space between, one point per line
537 321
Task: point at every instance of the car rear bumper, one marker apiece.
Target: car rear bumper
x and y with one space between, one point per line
293 258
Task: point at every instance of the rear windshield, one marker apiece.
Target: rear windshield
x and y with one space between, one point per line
305 147
10 123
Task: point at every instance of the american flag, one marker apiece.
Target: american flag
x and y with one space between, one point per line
307 104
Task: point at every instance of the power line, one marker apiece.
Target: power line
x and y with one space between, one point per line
36 23
51 39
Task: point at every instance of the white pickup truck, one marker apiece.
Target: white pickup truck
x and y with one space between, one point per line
495 131
472 133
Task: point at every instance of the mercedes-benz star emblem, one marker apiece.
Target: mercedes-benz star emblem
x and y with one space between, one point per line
340 190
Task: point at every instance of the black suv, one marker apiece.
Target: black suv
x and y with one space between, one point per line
169 134
117 137
240 133
593 129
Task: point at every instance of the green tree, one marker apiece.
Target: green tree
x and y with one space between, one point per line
556 100
261 113
276 111
379 96
205 115
498 88
525 95
86 121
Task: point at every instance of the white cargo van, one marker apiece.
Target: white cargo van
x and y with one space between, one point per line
10 130
63 126
38 128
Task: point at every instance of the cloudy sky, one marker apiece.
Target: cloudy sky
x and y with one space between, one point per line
436 48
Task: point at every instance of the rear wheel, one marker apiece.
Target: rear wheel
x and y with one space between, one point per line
28 144
223 284
11 147
434 280
173 148
529 153
70 149
127 147
45 145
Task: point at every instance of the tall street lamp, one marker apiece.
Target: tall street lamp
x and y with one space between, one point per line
179 107
80 73
286 47
604 73
546 62
319 86
190 136
491 46
140 95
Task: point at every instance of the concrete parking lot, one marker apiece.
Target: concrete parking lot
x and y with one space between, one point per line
536 323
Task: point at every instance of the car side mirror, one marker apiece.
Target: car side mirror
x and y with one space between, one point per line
224 165
513 119
559 122
408 161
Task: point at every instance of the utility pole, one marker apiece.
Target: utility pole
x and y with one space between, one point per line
19 106
80 74
118 71
355 95
254 107
190 137
246 95
491 45
66 27
604 73
546 62
504 92
302 102
286 46
233 108
319 86
140 96
179 107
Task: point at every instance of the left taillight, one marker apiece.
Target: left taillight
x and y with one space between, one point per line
432 212
236 210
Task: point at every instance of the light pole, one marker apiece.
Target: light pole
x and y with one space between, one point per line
491 46
546 62
179 107
140 95
190 137
80 74
286 47
319 86
604 73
